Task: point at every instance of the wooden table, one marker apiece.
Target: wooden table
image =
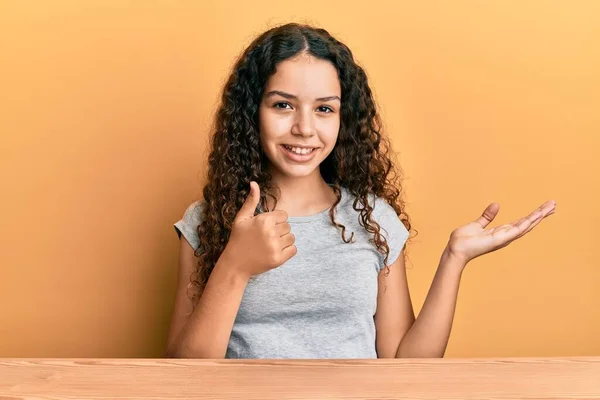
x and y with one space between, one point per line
500 378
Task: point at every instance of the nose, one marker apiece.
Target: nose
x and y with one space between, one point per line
304 124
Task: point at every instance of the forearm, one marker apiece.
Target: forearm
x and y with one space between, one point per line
207 331
428 336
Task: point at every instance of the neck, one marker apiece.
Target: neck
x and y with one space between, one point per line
302 196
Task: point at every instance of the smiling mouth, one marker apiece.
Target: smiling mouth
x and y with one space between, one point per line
301 151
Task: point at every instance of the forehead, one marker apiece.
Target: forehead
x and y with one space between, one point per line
305 76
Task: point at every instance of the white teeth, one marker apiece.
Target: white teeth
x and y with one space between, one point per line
299 150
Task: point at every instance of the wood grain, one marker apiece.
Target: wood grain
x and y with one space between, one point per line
501 378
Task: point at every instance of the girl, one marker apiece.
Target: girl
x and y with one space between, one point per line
297 249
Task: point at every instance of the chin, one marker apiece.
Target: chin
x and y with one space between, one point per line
297 172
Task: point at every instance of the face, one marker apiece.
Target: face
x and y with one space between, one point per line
299 116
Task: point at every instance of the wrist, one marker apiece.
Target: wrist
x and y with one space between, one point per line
453 261
229 268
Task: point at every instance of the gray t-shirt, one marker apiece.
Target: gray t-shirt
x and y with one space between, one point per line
321 302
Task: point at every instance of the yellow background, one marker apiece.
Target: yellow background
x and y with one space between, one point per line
105 107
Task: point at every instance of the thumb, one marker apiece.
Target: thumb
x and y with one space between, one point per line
249 207
488 215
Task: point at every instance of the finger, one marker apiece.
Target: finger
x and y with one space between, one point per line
520 227
541 211
488 215
530 227
282 229
508 232
279 216
551 207
518 222
287 240
531 217
535 223
547 208
249 207
289 252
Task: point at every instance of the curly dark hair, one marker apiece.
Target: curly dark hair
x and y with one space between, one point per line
361 160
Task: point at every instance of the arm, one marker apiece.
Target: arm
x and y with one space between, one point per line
429 335
399 334
205 331
395 314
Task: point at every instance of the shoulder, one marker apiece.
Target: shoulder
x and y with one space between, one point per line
386 216
194 210
391 226
381 208
189 222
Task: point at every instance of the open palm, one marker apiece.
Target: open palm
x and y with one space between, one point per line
473 240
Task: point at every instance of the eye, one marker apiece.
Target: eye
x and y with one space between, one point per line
325 109
281 105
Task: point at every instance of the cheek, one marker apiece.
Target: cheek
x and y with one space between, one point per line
330 130
273 127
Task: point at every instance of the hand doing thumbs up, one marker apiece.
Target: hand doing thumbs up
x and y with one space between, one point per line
259 243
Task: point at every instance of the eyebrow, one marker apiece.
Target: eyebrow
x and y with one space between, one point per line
291 96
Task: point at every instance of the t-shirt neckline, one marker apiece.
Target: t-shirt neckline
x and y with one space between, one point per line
320 214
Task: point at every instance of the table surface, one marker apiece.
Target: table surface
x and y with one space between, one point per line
500 378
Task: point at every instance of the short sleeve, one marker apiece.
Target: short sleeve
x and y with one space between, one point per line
392 229
188 224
